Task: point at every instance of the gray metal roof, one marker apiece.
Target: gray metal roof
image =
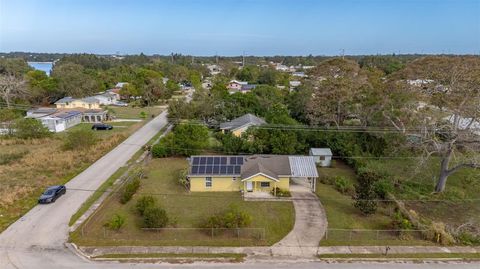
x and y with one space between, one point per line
303 166
90 99
247 119
320 152
65 100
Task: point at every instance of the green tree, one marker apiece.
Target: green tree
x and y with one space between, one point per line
26 128
155 217
73 80
43 89
365 193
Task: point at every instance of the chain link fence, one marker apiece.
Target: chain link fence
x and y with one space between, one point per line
372 235
177 234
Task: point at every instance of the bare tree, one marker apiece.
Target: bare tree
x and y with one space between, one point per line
11 87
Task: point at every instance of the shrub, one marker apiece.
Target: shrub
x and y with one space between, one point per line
342 184
6 158
116 222
79 139
382 188
231 218
364 193
327 180
160 150
30 128
145 202
155 217
129 190
143 115
280 193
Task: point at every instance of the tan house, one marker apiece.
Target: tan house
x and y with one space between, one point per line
255 173
87 103
239 125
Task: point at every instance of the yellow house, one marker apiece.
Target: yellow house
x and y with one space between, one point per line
241 124
87 103
256 173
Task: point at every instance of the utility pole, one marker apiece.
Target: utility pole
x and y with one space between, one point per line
243 59
172 57
193 59
343 53
216 57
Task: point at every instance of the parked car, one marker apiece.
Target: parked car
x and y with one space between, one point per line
119 103
51 194
102 126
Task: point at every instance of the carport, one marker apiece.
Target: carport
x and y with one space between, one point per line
304 170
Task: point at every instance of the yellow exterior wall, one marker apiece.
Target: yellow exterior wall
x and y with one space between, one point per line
218 184
79 104
240 131
283 183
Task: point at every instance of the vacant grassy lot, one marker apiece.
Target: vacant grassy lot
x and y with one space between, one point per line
341 214
28 166
185 210
417 183
133 112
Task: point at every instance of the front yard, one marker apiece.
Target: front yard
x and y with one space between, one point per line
186 212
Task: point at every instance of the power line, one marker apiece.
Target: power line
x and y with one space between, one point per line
276 199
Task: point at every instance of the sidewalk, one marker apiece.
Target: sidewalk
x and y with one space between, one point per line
307 252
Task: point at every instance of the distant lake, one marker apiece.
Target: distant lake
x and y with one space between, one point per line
43 66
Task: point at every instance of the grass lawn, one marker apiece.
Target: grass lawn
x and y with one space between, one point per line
185 210
341 214
133 112
230 257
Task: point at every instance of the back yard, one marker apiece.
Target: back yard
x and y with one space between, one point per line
28 166
186 212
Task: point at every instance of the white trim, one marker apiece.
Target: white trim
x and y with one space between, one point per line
262 175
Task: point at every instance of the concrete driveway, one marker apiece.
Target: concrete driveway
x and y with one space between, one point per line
310 223
43 231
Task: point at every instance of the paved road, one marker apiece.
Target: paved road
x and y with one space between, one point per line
46 226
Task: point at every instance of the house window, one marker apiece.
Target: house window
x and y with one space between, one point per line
208 182
322 158
234 178
265 184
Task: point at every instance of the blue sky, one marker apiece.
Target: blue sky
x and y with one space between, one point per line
230 27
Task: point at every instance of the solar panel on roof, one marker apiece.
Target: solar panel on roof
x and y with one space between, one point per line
203 160
201 169
208 169
240 160
194 169
237 169
230 169
223 170
233 160
216 169
196 160
223 160
209 160
216 160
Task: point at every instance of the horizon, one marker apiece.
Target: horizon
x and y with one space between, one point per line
254 28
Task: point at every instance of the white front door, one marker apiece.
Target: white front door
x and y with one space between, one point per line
249 186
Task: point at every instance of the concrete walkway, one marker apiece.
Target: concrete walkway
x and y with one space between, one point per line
310 224
396 249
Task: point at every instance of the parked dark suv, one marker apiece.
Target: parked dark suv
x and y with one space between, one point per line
102 126
51 194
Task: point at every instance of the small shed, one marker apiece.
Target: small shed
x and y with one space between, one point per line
323 156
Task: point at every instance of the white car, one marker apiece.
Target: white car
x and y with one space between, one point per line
119 104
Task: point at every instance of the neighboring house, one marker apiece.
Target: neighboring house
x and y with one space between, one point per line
299 74
241 124
295 83
323 156
61 121
107 98
120 85
236 85
87 103
94 115
40 112
256 173
247 88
